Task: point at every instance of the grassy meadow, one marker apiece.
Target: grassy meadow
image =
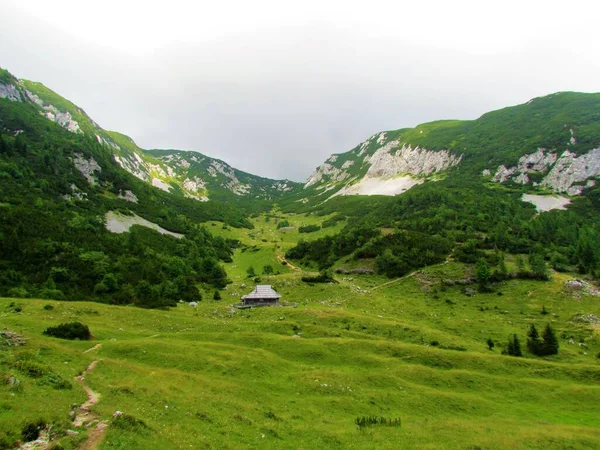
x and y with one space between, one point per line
217 377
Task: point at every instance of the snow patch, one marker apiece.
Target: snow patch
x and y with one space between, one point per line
160 184
546 202
378 186
119 223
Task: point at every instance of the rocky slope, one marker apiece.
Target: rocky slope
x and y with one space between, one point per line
567 173
381 165
183 173
550 143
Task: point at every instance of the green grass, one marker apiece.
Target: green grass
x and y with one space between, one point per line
218 377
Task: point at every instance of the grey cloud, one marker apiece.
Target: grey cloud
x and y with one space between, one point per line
278 103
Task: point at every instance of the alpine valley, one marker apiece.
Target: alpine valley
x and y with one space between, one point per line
439 287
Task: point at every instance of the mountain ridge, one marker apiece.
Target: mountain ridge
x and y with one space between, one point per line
564 124
139 162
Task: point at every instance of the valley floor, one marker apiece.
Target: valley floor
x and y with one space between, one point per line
217 377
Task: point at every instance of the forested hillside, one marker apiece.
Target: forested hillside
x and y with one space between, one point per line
56 188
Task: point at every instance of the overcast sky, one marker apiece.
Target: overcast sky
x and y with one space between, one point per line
274 87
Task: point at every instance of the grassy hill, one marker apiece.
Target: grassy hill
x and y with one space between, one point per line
298 377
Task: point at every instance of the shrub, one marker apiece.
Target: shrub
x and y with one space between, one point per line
56 382
367 421
323 277
217 295
48 307
31 368
31 431
308 228
129 422
72 331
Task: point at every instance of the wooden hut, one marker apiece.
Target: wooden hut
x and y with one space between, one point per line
262 295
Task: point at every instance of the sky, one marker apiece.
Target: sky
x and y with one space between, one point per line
275 87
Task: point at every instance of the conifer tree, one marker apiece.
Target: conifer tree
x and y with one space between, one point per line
550 341
513 348
534 343
516 346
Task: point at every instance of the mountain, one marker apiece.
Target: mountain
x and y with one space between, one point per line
77 225
202 177
190 174
550 144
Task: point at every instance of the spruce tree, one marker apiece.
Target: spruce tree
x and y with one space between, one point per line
550 341
534 344
516 346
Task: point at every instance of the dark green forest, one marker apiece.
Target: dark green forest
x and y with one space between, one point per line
463 218
53 244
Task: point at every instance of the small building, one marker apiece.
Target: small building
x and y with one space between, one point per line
262 295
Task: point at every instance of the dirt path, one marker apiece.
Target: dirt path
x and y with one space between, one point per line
95 347
412 274
84 416
282 260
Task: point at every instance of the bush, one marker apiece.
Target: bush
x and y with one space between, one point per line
31 368
323 277
217 295
72 331
48 307
129 423
367 421
31 431
308 228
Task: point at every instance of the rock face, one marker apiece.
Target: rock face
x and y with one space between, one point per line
129 196
378 167
52 113
326 169
570 169
386 163
568 173
10 92
87 167
233 184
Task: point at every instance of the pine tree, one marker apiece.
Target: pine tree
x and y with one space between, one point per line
516 346
534 344
513 348
217 295
550 341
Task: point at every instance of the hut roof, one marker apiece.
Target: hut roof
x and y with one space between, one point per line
262 291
